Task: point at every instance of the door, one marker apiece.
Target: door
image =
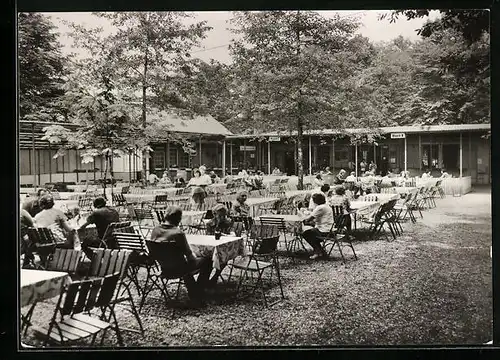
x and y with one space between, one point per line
289 163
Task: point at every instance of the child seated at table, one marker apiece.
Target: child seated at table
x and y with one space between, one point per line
220 222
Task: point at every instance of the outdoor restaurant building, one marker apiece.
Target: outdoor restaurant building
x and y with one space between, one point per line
463 150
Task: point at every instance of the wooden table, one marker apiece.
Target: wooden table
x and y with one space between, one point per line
221 251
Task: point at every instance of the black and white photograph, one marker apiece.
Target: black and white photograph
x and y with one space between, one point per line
272 178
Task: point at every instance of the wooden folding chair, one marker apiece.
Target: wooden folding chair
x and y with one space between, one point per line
66 260
264 247
139 259
339 234
281 225
106 262
160 202
78 298
43 243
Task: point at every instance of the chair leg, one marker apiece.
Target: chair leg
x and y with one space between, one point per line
278 274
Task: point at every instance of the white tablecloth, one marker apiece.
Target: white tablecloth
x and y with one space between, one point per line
38 285
221 251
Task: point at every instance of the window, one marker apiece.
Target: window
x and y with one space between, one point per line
158 159
340 154
173 157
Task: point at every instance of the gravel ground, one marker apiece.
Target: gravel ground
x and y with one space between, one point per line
430 286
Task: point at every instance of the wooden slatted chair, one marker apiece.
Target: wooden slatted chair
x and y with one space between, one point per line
139 259
78 298
339 234
106 262
107 241
264 248
378 221
160 202
43 243
145 219
119 200
66 260
281 225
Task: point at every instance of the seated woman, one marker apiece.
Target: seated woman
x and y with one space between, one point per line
321 220
57 222
187 262
340 199
368 183
196 179
276 172
198 198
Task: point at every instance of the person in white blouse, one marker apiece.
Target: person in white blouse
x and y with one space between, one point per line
321 222
205 179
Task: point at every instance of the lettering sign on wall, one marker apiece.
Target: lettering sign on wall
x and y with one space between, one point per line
398 135
274 138
247 148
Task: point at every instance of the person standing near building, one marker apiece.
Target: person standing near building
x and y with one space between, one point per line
384 166
372 167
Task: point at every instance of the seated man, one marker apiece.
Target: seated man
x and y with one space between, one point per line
102 216
321 220
169 231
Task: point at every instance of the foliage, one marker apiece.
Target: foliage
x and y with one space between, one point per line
41 69
289 72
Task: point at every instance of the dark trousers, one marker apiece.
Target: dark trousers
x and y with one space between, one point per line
196 287
313 238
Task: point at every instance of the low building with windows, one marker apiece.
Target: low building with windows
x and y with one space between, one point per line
463 150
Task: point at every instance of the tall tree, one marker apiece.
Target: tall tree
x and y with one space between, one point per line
41 68
289 69
151 54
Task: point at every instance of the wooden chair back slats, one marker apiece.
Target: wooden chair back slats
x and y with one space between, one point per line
133 242
107 289
273 221
115 262
160 216
65 260
112 227
86 295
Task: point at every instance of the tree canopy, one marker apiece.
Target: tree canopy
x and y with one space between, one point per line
41 68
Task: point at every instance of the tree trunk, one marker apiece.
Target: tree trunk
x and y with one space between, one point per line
105 176
144 88
111 173
300 156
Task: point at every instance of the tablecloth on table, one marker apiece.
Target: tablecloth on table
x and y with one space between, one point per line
38 285
221 251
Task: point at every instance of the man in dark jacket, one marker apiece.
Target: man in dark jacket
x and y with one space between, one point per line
169 231
102 216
